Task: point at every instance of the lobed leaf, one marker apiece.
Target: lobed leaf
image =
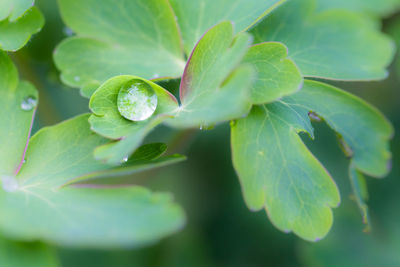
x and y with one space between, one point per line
113 38
277 171
213 77
35 201
334 44
108 122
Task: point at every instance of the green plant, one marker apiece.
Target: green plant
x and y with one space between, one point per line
263 65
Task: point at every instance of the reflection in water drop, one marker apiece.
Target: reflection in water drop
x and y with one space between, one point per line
28 103
137 100
9 183
125 159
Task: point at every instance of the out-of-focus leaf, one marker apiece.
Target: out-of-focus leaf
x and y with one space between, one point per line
15 34
370 7
13 9
196 17
113 38
334 44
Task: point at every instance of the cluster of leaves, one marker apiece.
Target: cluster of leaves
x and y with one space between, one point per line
255 64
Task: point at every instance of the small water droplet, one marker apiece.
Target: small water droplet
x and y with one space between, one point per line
125 159
10 184
137 100
156 75
77 78
28 103
176 18
68 31
205 126
314 116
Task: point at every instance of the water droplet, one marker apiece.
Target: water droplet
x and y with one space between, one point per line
125 159
68 31
10 184
314 116
137 100
77 78
28 103
156 75
205 126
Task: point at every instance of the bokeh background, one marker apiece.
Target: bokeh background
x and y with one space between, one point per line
220 230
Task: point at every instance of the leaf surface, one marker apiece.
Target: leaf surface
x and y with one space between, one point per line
13 9
113 38
196 17
334 44
36 204
15 34
108 122
277 75
277 171
214 88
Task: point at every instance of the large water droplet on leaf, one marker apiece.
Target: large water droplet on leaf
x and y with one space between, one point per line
137 100
28 103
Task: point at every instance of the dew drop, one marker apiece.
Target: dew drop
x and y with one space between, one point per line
28 103
205 126
137 100
314 116
77 78
125 159
68 31
9 183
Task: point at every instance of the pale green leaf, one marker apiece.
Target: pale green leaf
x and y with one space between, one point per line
277 76
107 120
277 171
196 17
213 88
15 34
335 44
35 206
13 9
118 37
16 123
34 199
370 7
17 254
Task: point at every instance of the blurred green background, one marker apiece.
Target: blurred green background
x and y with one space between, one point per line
220 230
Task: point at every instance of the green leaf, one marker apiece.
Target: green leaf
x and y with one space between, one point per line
371 7
360 194
277 171
362 127
108 122
213 88
13 9
16 122
196 17
36 204
15 34
15 254
277 76
113 38
335 44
